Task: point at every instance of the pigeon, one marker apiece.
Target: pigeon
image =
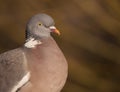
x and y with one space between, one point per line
38 65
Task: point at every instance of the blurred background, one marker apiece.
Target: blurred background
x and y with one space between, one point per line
90 38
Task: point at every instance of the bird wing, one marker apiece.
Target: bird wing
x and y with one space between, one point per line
13 70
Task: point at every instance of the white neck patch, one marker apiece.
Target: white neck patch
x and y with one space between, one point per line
31 43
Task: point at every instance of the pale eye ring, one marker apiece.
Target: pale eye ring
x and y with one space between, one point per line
40 24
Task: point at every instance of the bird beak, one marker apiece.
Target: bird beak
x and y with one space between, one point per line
53 29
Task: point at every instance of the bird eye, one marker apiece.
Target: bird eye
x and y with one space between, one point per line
40 24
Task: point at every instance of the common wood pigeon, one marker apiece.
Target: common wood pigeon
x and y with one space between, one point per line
38 65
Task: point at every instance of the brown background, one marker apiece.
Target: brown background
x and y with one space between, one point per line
90 38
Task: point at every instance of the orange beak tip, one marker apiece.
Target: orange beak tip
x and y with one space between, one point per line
54 30
57 32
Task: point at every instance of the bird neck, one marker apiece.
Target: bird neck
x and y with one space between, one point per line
32 42
37 36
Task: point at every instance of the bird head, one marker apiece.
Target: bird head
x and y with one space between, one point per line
41 25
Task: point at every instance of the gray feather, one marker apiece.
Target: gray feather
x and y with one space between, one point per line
12 69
